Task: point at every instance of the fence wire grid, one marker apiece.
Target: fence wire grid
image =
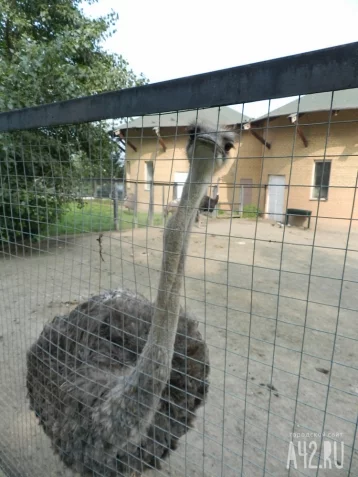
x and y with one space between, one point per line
265 354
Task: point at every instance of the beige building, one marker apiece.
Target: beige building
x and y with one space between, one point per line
303 157
155 152
310 161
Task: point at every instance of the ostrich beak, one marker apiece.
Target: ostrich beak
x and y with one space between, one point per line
207 152
208 143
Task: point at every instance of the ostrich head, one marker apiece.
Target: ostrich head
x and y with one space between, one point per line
208 147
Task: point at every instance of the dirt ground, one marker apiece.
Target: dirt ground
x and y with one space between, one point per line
280 322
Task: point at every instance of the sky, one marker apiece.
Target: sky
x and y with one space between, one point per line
166 39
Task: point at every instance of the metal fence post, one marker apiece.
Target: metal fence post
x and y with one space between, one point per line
163 204
135 205
151 204
115 204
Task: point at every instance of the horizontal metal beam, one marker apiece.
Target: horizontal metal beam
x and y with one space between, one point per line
330 69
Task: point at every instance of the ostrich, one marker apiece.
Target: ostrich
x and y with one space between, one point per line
129 201
117 381
207 204
171 207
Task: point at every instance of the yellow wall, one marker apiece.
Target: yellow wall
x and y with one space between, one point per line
245 164
337 142
287 157
166 163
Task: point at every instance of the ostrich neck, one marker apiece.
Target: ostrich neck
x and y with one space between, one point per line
176 241
154 365
155 361
136 403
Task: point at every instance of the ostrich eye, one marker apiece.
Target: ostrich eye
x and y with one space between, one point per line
228 146
193 130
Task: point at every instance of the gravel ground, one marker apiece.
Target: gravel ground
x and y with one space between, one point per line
280 322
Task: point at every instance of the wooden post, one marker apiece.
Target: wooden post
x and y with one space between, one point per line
135 205
163 202
302 136
216 192
151 204
115 204
175 191
241 210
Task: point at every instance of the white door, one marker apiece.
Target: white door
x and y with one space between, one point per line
179 179
276 198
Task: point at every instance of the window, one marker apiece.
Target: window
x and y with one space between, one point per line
322 172
149 173
179 181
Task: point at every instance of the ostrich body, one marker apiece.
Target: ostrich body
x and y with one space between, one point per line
116 383
171 207
207 204
129 200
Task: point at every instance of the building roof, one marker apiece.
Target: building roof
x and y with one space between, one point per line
346 99
226 115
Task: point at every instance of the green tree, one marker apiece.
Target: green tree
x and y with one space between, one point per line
50 51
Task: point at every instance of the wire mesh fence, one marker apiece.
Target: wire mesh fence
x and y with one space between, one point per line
258 217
